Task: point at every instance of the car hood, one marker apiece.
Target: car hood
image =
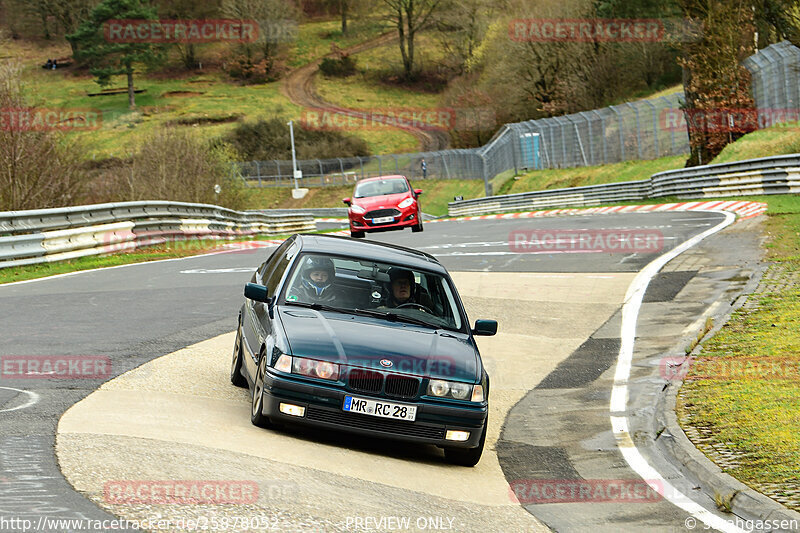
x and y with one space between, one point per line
375 343
387 201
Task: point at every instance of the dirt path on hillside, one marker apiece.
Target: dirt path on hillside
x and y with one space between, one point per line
298 86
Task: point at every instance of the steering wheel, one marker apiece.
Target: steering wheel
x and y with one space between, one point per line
414 304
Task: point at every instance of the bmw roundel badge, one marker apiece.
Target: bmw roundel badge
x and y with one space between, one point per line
386 363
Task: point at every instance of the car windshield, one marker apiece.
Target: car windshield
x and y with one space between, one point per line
380 187
368 288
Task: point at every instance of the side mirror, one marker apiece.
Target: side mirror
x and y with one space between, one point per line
346 201
417 191
255 292
485 327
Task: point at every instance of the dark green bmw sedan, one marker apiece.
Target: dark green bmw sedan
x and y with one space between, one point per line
363 337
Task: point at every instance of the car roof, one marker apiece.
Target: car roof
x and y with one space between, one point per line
377 178
369 250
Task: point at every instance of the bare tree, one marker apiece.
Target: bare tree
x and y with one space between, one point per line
462 25
38 168
410 17
275 19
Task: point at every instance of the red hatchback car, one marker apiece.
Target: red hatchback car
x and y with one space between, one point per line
382 204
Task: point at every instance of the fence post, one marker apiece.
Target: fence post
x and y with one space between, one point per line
655 127
487 187
279 178
341 167
621 133
258 171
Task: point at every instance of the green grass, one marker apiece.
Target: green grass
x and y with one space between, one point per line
756 418
776 140
170 250
314 39
575 177
436 194
365 90
212 95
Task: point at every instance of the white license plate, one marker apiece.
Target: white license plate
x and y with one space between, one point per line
382 220
380 408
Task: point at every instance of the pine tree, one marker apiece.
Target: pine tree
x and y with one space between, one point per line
106 57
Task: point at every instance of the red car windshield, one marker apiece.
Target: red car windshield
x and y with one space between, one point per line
380 188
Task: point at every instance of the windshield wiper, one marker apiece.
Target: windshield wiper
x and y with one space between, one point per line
394 317
316 306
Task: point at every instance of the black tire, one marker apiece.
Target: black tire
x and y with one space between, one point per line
357 234
257 402
417 228
236 364
466 456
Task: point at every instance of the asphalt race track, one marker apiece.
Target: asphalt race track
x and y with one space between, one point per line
175 416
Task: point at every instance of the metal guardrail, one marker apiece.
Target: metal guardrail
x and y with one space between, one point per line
46 235
767 175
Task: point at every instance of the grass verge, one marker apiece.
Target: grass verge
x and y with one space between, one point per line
170 250
436 194
755 415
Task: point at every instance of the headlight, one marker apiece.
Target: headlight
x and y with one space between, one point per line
456 390
405 203
357 209
315 369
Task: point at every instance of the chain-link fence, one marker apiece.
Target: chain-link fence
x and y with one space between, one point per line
775 72
445 164
645 129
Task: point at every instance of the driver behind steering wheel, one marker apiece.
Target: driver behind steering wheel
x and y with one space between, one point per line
404 290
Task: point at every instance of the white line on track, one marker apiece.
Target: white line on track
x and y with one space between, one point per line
619 393
32 399
76 272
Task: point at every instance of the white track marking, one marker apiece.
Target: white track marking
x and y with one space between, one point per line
32 399
76 272
619 393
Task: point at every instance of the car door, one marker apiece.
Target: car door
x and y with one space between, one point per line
261 323
252 311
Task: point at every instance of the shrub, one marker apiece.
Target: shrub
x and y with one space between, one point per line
341 68
269 139
175 164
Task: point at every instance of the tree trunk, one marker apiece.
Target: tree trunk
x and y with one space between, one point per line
343 9
131 94
402 34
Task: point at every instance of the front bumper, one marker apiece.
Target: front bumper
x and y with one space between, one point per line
323 409
406 219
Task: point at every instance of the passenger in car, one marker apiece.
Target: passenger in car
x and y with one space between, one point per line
317 282
403 289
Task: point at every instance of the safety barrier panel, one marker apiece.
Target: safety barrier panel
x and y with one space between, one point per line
768 175
46 235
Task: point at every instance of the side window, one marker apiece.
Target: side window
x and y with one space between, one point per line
280 267
269 266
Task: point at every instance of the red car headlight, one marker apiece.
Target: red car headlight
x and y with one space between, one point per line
405 203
